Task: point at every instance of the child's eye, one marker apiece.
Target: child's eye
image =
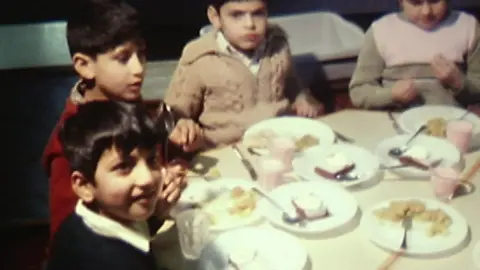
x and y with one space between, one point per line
123 167
153 161
260 14
123 57
237 14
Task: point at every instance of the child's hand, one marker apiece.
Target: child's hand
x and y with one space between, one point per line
447 72
174 182
188 134
303 107
404 91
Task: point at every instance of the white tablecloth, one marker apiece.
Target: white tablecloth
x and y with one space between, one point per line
353 251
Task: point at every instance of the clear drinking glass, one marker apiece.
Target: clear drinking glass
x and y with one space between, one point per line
194 235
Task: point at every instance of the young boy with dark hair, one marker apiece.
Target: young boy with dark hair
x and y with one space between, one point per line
112 149
108 54
239 74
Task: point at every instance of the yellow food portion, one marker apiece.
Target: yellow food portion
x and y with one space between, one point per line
234 204
437 127
213 173
398 210
306 142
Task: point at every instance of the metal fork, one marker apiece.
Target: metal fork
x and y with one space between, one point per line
169 123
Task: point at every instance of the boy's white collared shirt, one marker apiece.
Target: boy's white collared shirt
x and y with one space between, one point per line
138 236
252 63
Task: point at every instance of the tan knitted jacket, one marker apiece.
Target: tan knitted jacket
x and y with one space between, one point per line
223 95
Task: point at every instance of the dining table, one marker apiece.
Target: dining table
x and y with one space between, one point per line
351 250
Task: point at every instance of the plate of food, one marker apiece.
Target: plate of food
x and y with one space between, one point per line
425 152
346 164
254 248
306 133
437 229
328 208
436 118
230 202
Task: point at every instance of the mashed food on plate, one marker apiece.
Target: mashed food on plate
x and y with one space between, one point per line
398 210
437 127
232 204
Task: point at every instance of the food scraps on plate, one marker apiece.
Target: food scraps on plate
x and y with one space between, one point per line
397 210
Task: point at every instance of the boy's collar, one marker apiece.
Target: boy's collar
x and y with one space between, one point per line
77 93
136 236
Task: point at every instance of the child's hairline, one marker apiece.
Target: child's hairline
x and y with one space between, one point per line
121 152
138 41
218 7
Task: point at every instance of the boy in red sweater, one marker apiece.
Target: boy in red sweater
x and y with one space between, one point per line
108 54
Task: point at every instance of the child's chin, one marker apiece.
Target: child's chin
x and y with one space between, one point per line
142 213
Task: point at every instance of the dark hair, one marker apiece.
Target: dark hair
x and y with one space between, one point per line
100 125
97 26
218 4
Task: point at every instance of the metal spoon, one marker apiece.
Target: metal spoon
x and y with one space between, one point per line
285 215
398 151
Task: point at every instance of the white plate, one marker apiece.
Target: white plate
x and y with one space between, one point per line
476 255
366 164
282 251
438 149
341 205
197 192
294 127
389 235
411 120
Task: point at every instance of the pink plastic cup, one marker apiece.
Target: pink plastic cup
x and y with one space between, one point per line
444 181
283 149
270 173
459 132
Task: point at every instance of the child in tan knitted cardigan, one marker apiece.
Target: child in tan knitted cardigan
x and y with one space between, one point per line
432 57
238 75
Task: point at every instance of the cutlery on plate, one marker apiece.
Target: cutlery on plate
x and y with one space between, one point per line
343 138
342 175
398 151
395 124
246 163
464 115
407 225
288 218
253 152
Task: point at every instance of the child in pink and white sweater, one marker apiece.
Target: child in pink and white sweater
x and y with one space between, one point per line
425 54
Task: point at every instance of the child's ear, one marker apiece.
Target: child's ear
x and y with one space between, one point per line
84 65
213 17
84 188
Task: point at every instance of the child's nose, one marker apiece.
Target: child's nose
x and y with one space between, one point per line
137 65
426 9
249 21
144 175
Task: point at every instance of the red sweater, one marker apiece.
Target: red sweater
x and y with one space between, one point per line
62 199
